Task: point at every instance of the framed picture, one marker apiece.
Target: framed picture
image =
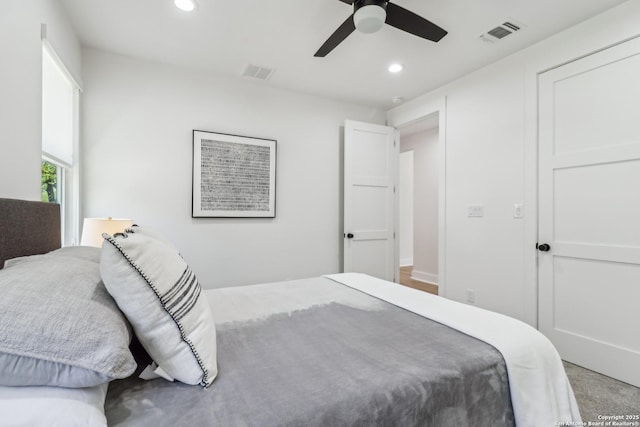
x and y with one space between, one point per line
233 176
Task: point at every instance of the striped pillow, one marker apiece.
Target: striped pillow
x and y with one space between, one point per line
162 299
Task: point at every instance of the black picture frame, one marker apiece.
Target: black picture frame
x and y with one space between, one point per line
233 176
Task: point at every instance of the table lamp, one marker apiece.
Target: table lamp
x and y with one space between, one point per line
93 228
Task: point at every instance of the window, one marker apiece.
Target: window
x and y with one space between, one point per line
59 169
51 182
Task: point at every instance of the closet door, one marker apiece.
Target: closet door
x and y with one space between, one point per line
589 219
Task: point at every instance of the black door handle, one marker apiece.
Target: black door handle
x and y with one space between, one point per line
349 236
543 247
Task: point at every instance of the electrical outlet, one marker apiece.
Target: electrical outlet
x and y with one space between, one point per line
475 211
471 296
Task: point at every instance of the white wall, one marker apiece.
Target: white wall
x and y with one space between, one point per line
405 207
137 145
425 198
491 122
21 88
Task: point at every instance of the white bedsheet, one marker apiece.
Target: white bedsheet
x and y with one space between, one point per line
53 406
540 391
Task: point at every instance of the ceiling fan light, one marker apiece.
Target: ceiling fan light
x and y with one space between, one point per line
369 19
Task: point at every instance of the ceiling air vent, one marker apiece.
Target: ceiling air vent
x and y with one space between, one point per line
257 72
501 31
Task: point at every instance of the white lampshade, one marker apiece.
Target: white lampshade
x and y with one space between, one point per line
93 228
370 18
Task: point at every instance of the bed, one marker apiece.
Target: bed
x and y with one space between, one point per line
130 338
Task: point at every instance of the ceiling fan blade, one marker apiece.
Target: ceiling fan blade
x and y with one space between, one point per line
408 21
347 1
337 37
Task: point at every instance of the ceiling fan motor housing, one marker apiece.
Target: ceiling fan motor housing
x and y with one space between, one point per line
369 15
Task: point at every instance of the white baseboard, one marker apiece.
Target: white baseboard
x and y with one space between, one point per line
406 262
424 277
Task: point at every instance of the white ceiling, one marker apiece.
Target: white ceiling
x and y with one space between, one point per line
223 36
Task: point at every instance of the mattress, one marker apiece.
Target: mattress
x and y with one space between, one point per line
315 352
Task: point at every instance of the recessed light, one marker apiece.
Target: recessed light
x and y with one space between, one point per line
397 99
395 68
186 5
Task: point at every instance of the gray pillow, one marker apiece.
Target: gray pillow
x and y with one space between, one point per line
58 324
88 253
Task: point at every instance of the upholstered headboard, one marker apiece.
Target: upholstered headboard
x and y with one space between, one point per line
28 228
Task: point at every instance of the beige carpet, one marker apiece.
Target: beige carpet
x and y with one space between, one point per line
601 395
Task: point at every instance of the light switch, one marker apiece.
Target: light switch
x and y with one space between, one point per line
475 211
518 211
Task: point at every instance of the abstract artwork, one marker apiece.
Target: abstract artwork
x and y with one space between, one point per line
233 176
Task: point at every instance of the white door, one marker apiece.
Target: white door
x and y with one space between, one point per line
589 201
370 158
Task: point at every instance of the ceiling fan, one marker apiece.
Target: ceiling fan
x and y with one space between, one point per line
369 16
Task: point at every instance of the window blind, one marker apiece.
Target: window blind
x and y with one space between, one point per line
57 111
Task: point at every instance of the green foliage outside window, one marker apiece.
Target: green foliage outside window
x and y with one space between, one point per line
49 182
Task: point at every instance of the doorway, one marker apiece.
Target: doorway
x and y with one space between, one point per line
419 203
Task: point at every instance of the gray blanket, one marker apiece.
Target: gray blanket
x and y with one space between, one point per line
327 356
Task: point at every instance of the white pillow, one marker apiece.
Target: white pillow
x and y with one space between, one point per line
161 297
53 406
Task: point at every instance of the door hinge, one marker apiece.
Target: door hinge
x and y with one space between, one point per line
394 189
